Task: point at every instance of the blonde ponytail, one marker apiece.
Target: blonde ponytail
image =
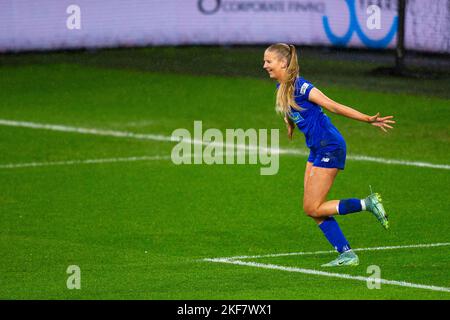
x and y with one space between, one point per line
285 94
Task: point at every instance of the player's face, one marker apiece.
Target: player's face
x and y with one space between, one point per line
274 66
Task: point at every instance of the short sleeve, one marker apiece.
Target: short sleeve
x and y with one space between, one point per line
303 88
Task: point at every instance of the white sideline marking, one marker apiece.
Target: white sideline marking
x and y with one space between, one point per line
98 132
233 260
400 162
329 274
74 162
429 245
140 136
126 134
94 161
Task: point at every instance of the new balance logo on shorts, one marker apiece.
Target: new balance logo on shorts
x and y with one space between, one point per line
325 159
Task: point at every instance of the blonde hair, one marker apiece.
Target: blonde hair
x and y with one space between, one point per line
285 94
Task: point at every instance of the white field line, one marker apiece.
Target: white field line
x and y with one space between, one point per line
237 260
98 132
76 162
131 135
330 274
96 161
154 137
413 246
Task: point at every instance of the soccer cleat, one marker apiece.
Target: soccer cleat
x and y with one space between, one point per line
374 204
347 258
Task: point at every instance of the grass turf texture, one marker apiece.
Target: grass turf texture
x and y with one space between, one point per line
137 229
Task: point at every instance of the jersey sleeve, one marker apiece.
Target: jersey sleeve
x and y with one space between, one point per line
302 89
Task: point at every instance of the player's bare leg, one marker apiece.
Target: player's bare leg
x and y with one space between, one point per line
308 169
318 182
317 186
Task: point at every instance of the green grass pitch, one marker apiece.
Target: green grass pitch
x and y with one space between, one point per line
141 229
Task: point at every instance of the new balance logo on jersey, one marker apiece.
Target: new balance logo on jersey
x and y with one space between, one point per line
325 159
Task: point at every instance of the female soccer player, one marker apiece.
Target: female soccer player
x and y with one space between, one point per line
301 103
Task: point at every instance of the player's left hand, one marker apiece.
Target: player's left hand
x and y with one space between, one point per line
381 122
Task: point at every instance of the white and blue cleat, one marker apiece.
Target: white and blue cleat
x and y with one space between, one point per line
347 258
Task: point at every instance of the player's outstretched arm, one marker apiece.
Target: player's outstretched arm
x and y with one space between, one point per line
321 99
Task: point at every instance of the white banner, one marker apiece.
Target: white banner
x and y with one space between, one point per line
62 24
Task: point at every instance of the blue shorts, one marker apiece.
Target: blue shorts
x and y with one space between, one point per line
328 158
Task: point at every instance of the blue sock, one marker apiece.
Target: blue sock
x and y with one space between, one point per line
334 235
349 206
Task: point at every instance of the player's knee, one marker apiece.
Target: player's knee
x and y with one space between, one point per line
310 210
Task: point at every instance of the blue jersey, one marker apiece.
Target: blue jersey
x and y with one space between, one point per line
319 132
